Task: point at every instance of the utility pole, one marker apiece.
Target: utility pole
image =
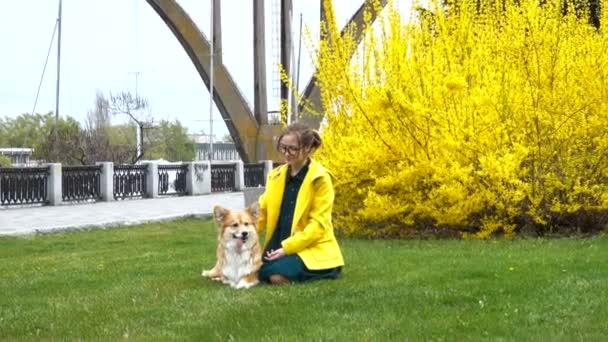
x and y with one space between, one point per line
260 103
215 43
296 104
286 52
136 74
55 133
139 130
212 54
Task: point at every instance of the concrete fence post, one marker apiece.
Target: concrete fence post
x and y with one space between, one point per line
198 181
151 179
54 184
267 169
251 195
239 177
207 179
190 180
107 181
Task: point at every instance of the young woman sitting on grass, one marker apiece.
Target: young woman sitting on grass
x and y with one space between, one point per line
296 209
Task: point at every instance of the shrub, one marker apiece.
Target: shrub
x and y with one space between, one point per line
478 121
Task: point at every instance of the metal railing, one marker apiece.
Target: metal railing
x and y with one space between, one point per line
80 183
254 175
176 174
23 185
54 183
223 177
129 181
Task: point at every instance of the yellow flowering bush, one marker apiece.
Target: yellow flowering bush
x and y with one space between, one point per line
469 120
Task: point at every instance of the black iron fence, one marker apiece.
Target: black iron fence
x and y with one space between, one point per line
223 177
80 183
254 175
172 179
33 185
23 185
129 181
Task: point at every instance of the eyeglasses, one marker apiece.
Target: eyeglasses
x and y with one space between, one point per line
291 150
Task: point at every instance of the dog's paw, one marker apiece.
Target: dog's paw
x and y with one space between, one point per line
244 284
212 273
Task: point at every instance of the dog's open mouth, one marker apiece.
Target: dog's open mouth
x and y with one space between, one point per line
240 241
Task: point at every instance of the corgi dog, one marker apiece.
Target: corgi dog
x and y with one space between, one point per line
239 255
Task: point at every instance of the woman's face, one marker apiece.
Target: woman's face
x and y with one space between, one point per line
290 148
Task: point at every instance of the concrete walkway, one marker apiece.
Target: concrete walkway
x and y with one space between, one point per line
20 221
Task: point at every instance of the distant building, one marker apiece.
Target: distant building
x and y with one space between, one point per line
221 151
19 156
201 138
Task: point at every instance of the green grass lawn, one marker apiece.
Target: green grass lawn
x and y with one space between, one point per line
144 283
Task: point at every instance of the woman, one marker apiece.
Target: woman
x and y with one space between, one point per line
296 209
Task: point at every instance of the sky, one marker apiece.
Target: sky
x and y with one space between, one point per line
110 46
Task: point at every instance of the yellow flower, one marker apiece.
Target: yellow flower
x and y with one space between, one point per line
455 83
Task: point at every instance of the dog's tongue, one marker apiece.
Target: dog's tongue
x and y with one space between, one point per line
239 245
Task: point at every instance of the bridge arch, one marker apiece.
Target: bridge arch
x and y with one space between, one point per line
254 141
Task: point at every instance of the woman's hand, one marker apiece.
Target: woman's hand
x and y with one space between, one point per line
274 254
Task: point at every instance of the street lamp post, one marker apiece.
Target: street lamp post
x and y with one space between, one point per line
55 133
212 53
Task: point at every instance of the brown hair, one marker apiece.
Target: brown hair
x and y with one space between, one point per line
307 137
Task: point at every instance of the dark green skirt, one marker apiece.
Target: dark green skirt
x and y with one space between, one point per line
293 268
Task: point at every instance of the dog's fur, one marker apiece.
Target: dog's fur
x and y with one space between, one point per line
239 255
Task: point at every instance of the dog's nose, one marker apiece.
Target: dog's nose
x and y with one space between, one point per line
245 234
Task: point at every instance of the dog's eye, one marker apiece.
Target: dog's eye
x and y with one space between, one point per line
235 225
246 223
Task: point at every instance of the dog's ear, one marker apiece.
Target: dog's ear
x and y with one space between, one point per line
219 214
254 211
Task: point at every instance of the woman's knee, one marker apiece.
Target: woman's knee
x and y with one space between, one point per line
278 279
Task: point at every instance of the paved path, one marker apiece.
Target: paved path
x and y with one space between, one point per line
19 221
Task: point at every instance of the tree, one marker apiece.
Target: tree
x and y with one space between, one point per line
70 149
25 130
5 161
36 131
170 141
97 132
133 107
122 145
227 138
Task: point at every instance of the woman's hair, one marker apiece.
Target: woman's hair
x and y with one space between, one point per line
307 137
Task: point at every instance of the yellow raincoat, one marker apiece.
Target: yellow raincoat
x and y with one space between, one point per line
312 233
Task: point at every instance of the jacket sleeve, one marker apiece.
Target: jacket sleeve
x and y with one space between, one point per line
319 218
261 225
